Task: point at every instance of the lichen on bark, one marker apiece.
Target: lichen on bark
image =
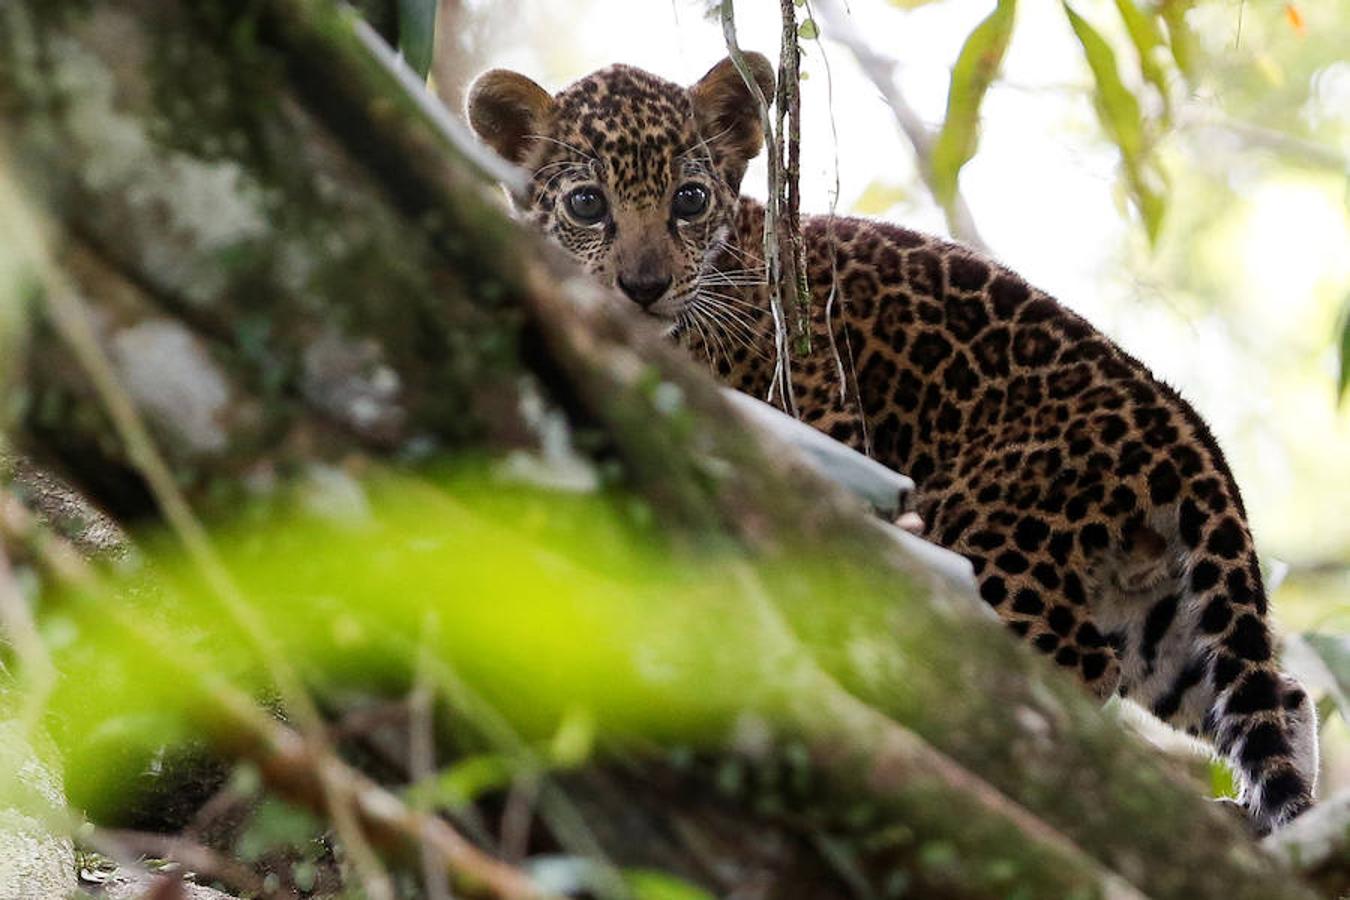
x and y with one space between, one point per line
249 195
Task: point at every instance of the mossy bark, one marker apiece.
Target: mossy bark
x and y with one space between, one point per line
288 263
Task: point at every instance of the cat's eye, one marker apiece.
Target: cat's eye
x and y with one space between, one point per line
689 201
587 205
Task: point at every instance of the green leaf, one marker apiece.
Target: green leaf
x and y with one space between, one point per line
1118 111
808 30
649 884
464 782
1343 381
1147 39
574 740
1182 39
305 874
417 33
879 196
1334 652
1221 780
1116 106
975 69
276 825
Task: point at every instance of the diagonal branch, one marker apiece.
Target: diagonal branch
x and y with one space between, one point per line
848 738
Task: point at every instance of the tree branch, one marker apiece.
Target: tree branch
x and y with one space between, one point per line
1317 844
482 308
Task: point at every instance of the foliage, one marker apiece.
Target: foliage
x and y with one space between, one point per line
417 33
1334 652
556 626
1343 353
1121 117
975 69
562 614
1119 110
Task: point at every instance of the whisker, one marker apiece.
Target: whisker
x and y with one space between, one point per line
719 346
717 317
741 253
757 272
714 281
719 303
703 334
737 330
733 300
723 329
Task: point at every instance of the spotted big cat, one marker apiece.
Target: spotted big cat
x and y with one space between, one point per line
1100 516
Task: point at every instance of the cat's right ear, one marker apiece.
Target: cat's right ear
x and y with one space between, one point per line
506 109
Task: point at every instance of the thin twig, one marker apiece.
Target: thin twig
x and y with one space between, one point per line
38 672
226 801
851 376
519 813
72 321
880 70
422 758
291 765
782 379
192 856
304 771
1304 151
787 148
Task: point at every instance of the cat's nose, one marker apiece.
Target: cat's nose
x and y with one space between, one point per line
645 291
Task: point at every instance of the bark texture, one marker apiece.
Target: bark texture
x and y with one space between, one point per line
288 263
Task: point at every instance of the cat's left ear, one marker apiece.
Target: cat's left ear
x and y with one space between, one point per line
727 114
507 110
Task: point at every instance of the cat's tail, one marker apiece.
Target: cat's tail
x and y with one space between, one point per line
1260 719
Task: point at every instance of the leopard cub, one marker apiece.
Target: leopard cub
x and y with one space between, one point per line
1098 512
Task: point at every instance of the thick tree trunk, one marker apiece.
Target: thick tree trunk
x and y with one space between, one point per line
288 260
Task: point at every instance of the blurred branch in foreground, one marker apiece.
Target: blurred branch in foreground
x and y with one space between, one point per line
305 287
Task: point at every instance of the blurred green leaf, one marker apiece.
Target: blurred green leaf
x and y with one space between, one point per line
574 741
1221 780
1118 108
878 197
417 33
1334 651
808 30
511 574
1180 37
1343 380
305 874
277 825
1147 39
464 782
1118 111
648 884
975 69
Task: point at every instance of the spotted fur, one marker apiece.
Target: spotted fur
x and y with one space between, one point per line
1102 521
